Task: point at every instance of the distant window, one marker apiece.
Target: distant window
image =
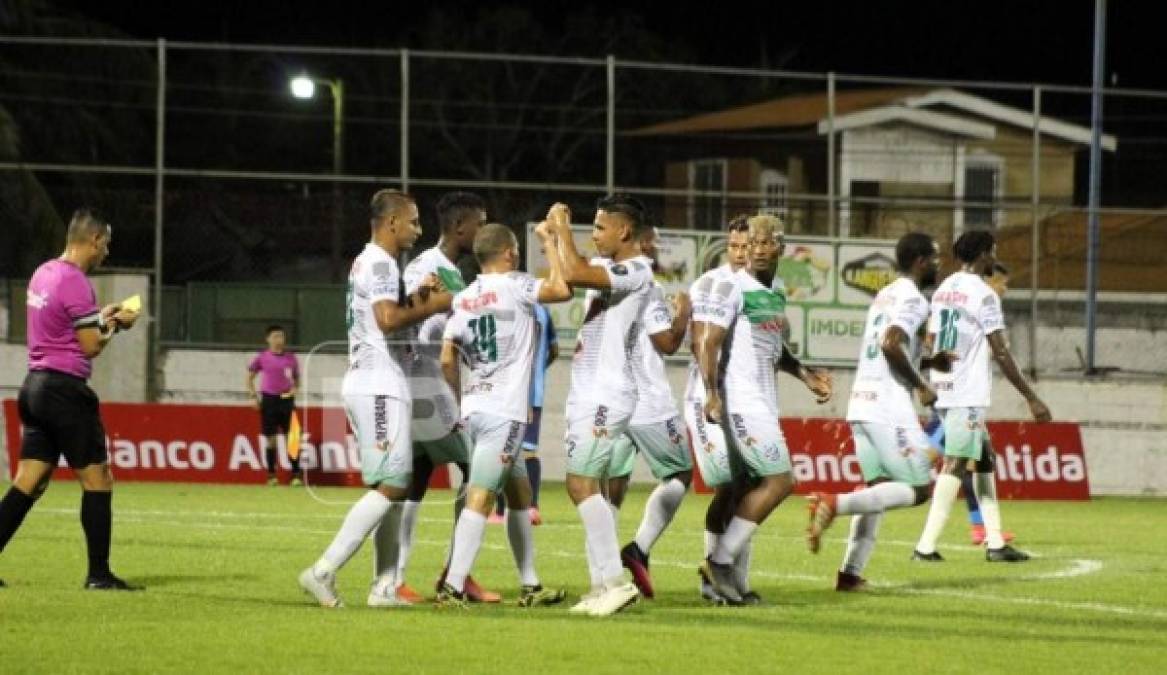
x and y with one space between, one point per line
982 183
707 211
774 187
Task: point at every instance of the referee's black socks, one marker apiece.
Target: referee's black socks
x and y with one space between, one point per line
13 508
96 520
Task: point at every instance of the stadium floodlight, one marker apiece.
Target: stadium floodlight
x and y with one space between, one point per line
303 87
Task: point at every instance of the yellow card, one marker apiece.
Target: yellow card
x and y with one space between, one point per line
133 303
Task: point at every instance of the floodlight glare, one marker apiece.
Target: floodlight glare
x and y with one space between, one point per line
303 87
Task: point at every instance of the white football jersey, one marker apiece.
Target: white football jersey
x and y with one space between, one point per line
964 312
602 372
654 395
494 325
374 367
714 283
878 394
435 411
755 318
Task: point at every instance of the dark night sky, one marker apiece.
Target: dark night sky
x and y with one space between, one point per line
1013 40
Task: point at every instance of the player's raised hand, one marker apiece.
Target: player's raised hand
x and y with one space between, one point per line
1039 409
821 383
559 217
543 231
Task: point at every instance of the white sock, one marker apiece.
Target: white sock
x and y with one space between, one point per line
409 514
387 544
741 567
467 542
861 542
593 566
736 535
876 499
360 521
711 540
943 495
662 505
522 538
985 485
459 504
601 533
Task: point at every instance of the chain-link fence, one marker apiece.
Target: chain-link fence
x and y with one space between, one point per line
246 199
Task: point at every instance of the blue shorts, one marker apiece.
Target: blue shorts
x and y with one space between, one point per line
531 437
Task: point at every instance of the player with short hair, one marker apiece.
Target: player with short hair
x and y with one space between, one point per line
738 349
494 332
376 396
276 400
545 355
59 413
966 318
436 436
709 438
656 429
998 280
603 389
893 451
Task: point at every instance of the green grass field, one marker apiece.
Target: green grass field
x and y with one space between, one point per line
220 564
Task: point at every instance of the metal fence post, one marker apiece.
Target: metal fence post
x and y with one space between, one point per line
154 354
1035 204
404 120
1095 182
610 174
831 190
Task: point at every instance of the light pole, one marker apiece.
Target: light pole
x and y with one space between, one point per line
304 87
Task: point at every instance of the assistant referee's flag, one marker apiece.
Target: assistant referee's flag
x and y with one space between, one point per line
294 436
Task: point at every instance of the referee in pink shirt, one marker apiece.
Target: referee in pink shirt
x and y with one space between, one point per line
59 413
279 376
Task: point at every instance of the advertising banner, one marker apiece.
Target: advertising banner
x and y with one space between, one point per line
1034 461
213 444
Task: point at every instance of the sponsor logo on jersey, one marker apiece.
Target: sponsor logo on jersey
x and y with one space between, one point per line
380 423
674 434
474 304
949 298
739 430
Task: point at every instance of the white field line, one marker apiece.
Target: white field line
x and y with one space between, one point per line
1076 568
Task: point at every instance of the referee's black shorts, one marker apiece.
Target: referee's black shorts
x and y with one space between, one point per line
60 416
275 414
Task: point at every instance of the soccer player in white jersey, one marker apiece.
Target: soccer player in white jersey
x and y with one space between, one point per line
709 438
739 349
656 430
495 333
437 438
893 451
375 391
603 389
966 318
